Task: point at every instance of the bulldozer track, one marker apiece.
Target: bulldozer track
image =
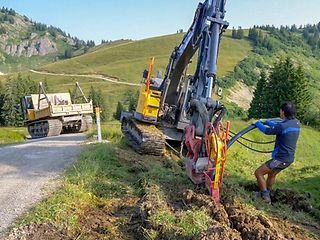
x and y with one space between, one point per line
144 138
86 123
45 128
78 126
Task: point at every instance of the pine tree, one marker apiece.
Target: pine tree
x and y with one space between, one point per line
234 33
253 34
133 101
14 89
240 33
286 83
258 105
301 93
280 85
120 108
260 38
98 100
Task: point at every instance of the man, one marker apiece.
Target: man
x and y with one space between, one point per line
287 133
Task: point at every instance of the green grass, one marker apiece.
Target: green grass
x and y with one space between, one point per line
10 135
103 176
126 61
301 176
107 176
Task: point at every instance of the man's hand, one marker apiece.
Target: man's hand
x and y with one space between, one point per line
257 123
263 120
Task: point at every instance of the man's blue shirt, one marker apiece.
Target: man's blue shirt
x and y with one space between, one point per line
287 133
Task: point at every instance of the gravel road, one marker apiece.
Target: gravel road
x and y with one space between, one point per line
25 169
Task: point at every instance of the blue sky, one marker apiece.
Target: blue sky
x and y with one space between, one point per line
138 19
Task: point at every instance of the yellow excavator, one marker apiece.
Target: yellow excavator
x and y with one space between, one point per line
182 110
52 114
167 106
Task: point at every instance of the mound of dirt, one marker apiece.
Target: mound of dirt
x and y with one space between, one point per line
39 231
116 219
239 222
217 232
231 219
296 201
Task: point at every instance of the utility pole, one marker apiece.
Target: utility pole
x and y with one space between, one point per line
98 124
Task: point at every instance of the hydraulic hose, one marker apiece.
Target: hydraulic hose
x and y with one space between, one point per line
240 134
251 141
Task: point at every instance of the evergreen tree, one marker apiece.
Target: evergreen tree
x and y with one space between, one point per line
294 28
253 34
117 114
133 101
258 105
259 38
68 53
234 33
301 93
98 100
14 89
240 33
280 85
286 83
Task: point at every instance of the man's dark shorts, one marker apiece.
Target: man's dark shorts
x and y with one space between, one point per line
277 166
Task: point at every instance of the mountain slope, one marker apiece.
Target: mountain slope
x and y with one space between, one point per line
25 44
127 61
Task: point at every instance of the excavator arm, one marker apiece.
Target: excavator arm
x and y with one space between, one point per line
203 35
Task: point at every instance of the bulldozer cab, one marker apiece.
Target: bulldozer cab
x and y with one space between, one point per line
26 103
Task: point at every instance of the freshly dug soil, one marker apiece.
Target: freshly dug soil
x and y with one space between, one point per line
231 219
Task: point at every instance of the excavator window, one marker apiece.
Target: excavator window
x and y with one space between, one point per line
28 102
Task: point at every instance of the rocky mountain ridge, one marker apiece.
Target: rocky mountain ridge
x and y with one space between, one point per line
22 38
28 48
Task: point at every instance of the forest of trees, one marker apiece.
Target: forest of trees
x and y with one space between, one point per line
10 94
237 33
286 82
7 15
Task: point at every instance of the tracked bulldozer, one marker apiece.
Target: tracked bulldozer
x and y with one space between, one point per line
52 114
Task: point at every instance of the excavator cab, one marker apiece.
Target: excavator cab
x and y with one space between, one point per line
149 98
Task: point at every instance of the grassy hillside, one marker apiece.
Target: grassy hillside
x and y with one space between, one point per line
114 193
127 61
